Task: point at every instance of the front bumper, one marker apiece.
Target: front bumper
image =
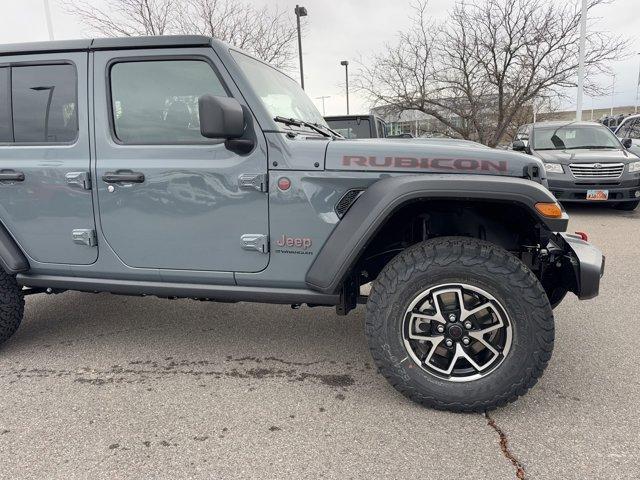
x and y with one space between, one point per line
567 189
584 267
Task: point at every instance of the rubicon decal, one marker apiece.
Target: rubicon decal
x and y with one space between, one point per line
459 164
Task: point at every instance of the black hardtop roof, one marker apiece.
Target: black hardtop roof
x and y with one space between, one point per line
105 44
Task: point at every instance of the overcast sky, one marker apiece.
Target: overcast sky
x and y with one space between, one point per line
343 30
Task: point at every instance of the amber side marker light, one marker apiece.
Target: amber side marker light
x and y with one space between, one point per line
551 210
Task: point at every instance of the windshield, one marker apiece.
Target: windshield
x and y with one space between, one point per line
352 128
281 95
572 136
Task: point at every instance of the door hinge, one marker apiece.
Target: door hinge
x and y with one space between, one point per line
79 179
255 241
84 236
256 181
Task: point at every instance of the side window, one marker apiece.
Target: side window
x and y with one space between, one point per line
634 130
44 101
523 134
6 128
156 101
624 129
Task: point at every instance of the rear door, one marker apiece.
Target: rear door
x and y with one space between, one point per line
183 207
45 195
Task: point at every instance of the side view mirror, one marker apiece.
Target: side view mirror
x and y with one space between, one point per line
518 146
627 143
220 117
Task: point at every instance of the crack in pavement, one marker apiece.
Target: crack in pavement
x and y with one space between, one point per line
504 446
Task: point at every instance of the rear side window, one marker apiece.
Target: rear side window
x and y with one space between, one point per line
44 101
6 133
523 134
156 102
622 131
634 130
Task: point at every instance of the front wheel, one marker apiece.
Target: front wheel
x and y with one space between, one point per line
459 324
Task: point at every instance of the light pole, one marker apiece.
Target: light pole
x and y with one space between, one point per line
47 14
613 93
583 40
323 98
300 12
345 64
48 109
638 87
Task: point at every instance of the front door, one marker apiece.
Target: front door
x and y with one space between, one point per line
45 191
168 197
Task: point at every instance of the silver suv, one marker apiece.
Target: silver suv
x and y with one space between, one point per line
584 161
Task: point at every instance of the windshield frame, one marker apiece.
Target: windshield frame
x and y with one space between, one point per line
290 84
536 127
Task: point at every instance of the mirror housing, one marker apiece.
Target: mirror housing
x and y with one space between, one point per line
220 117
627 143
518 146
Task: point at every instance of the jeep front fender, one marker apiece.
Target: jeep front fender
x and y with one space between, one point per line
383 198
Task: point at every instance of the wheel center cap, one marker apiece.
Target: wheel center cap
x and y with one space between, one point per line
455 331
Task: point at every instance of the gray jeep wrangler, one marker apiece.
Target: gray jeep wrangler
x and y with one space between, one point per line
182 167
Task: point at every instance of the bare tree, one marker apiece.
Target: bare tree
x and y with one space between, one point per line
488 62
268 33
126 17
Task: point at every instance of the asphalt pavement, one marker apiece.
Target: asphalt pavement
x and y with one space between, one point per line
102 386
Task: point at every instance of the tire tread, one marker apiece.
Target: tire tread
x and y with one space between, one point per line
443 252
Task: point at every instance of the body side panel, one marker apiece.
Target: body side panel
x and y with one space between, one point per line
301 220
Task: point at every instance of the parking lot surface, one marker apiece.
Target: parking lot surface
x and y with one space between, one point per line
102 386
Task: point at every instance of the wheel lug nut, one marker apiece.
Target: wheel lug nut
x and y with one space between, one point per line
466 340
440 328
448 342
452 317
468 325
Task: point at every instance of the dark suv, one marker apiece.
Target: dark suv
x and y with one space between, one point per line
584 161
358 126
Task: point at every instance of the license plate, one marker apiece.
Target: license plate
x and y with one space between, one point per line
597 195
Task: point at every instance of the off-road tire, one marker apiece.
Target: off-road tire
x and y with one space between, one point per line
11 306
627 206
477 263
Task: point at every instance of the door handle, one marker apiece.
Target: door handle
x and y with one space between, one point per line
11 175
123 177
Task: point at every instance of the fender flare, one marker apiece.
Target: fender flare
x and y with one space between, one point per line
12 260
370 211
